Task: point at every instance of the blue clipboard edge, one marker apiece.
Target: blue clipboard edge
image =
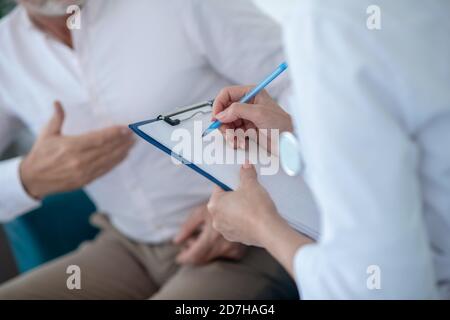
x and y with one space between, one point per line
135 128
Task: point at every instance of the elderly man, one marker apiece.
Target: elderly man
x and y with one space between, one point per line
130 60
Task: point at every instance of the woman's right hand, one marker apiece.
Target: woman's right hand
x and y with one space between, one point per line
261 113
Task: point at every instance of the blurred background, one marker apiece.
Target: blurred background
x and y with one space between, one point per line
42 235
5 6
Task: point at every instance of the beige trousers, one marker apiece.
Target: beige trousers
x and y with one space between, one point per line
114 267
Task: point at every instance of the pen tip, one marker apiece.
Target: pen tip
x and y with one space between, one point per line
206 132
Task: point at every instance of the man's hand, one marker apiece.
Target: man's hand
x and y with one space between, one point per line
60 163
201 243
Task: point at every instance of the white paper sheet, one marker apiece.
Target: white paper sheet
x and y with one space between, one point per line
291 195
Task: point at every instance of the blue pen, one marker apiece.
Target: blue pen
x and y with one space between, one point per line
249 96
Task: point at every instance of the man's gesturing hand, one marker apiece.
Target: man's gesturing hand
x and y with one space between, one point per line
201 243
58 163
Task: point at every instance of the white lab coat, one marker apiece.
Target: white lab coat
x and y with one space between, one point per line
373 117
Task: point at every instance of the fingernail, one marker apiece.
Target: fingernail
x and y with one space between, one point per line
220 115
247 165
242 144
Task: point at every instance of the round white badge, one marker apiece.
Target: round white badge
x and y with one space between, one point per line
290 155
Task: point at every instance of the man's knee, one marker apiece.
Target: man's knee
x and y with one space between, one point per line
257 276
15 289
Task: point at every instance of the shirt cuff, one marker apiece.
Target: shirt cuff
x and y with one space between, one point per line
303 266
14 200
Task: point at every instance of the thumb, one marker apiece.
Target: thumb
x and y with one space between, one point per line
54 126
248 173
189 227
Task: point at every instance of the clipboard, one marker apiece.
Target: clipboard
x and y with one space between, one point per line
291 195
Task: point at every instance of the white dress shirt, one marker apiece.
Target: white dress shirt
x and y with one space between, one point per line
373 118
132 60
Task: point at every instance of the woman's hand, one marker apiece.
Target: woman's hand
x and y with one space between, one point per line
248 215
245 214
262 113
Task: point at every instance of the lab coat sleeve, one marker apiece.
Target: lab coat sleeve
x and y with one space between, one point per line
361 163
241 42
436 171
14 200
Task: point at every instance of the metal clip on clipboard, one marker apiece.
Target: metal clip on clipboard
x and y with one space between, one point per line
187 113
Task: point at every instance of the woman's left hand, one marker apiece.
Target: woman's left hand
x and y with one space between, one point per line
243 215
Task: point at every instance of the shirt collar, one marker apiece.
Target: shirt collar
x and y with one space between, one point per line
29 25
25 19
